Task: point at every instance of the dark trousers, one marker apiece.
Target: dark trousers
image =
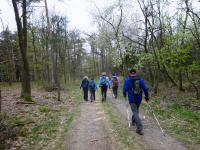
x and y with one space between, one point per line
135 118
104 92
85 94
115 89
92 95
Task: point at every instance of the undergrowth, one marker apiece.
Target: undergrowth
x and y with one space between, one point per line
180 121
45 127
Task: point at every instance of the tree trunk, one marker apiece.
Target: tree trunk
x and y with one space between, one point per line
195 87
0 101
22 34
35 56
180 80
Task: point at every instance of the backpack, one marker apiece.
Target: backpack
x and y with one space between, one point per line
103 81
92 85
136 87
85 83
115 81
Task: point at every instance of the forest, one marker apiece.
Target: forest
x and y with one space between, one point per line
43 61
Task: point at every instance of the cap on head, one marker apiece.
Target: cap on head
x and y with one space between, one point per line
133 72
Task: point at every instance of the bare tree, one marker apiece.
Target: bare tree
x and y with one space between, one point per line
22 34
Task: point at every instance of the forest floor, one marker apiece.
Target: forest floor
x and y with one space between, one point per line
40 124
73 124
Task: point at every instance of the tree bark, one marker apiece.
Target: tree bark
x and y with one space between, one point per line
0 101
22 35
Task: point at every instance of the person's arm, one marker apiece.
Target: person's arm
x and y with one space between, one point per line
108 82
96 86
81 85
125 89
145 89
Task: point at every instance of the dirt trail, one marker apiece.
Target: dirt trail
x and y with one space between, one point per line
89 131
153 137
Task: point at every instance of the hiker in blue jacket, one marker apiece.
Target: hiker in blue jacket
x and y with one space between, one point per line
92 88
104 83
134 86
85 86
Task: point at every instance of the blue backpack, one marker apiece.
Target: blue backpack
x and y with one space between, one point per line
92 85
103 81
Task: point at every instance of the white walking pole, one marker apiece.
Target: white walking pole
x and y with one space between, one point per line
128 117
156 120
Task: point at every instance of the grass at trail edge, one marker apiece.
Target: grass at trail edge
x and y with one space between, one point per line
124 134
179 121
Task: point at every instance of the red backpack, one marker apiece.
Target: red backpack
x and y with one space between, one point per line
115 82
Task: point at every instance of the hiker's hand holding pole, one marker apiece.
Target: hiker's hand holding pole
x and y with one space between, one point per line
147 99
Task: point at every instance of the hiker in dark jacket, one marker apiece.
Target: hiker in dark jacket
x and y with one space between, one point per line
134 86
85 86
104 83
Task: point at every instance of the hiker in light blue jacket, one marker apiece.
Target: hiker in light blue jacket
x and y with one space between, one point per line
92 88
104 83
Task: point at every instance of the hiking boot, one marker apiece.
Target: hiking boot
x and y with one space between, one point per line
139 132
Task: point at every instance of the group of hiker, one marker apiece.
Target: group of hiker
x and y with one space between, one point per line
104 83
133 89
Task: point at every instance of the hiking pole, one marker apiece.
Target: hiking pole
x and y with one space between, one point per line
156 119
128 117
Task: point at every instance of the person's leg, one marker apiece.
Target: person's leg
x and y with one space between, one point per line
105 92
133 120
135 110
90 95
113 89
116 91
102 93
94 95
86 94
83 94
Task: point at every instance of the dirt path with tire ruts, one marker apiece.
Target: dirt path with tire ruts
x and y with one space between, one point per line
153 138
89 131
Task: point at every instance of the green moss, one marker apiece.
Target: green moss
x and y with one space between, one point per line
23 131
44 109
